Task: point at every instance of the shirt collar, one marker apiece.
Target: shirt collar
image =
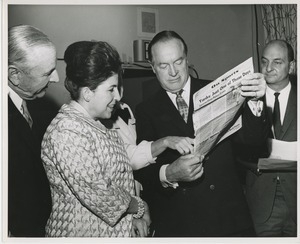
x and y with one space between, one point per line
187 85
87 116
16 99
186 88
283 93
81 109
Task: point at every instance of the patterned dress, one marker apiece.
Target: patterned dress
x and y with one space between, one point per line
90 177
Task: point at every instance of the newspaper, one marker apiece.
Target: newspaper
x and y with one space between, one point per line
215 108
283 156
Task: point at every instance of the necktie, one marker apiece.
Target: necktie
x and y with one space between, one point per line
276 116
26 114
182 106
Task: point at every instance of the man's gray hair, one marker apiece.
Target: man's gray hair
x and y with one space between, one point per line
20 39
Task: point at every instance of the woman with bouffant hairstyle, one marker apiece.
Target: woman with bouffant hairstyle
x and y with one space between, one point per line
88 168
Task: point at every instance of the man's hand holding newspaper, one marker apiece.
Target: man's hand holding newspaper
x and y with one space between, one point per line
253 86
216 105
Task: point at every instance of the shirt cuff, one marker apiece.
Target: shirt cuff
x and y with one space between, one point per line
139 155
256 107
149 156
163 178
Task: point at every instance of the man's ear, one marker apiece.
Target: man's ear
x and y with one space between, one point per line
151 66
86 94
14 75
292 67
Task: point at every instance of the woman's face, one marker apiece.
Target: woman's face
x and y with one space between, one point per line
103 99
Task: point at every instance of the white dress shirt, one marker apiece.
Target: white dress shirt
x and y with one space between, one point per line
185 94
17 100
283 100
139 155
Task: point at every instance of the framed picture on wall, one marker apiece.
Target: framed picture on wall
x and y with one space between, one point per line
147 22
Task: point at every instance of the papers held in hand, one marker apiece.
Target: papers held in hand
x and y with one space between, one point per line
216 108
283 156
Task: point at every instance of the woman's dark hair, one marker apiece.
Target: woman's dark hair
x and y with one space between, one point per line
165 36
89 63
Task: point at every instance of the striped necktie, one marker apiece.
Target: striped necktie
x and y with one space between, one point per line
182 106
26 114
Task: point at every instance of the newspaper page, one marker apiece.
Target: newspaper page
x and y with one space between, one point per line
215 107
283 156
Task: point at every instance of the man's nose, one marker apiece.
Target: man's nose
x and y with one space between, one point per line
172 70
269 67
54 77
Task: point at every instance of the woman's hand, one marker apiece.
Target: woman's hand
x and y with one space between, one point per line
139 228
146 215
184 145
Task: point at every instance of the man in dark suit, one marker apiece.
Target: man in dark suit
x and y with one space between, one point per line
184 199
31 67
272 195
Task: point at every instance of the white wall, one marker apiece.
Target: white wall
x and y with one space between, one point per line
218 36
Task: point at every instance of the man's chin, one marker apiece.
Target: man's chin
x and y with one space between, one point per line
270 79
40 95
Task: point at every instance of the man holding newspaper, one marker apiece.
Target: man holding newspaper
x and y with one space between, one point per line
198 194
271 189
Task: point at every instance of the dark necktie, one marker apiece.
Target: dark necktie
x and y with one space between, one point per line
26 114
276 116
182 106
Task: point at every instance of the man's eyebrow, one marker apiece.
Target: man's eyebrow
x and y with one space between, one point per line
277 59
49 73
180 58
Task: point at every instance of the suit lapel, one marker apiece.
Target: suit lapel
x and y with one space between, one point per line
170 114
291 112
196 85
17 122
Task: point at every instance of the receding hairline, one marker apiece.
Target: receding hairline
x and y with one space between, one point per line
22 39
276 42
165 41
282 44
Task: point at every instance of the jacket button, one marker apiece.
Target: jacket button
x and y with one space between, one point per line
212 187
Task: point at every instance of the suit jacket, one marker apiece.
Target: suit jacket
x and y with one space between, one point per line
29 199
261 189
213 205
